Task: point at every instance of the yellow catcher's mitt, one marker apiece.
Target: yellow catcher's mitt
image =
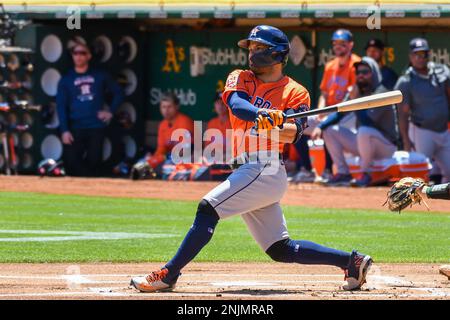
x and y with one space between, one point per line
404 193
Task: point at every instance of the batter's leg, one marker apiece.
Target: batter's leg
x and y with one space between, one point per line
268 227
307 252
198 236
239 194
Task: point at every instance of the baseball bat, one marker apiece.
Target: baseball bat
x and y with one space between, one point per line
372 101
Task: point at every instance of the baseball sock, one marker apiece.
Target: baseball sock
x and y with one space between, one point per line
198 236
307 252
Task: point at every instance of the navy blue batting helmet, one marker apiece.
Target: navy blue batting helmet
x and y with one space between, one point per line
277 41
342 34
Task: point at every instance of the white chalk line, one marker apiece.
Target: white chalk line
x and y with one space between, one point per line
78 235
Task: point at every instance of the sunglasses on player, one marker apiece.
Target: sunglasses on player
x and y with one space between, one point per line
364 72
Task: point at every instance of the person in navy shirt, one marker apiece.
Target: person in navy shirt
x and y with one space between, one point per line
375 50
81 98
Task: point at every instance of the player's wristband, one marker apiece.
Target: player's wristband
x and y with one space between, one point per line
439 191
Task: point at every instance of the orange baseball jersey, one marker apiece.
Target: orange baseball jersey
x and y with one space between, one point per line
165 130
282 95
216 123
336 79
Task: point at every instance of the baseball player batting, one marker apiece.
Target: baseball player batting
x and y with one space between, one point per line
262 97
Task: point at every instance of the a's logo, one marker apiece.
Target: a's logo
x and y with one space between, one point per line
174 55
374 19
74 18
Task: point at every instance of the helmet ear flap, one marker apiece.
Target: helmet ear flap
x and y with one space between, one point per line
280 54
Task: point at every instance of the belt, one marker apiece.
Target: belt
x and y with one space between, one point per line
253 157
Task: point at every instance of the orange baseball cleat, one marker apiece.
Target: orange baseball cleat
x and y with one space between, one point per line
153 282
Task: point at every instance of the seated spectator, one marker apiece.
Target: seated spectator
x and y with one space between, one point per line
424 111
376 137
338 76
306 173
221 122
173 119
375 50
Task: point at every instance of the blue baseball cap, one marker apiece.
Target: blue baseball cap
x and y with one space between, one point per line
418 44
342 34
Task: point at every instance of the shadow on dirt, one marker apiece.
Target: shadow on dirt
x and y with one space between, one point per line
263 292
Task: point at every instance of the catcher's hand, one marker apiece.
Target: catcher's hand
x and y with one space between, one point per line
267 119
404 193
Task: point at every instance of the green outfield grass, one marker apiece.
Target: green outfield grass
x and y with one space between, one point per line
388 237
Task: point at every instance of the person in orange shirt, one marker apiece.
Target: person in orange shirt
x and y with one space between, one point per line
221 123
260 97
173 119
339 73
338 78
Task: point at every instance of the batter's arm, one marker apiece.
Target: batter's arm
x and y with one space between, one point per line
288 134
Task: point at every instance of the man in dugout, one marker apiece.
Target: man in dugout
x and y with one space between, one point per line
81 96
376 136
424 111
173 119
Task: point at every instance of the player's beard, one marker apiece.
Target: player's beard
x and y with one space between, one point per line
364 86
342 53
258 71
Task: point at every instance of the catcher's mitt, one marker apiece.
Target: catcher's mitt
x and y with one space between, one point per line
142 170
404 193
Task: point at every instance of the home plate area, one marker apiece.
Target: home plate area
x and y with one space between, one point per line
220 281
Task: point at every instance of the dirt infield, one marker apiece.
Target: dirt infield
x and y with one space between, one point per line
310 195
215 280
231 281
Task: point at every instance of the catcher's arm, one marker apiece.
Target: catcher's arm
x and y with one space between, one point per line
438 191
